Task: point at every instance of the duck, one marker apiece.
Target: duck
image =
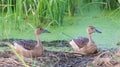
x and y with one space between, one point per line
85 45
28 48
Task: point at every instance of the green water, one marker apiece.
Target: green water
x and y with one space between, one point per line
76 26
108 38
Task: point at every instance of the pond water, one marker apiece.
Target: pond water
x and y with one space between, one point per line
75 27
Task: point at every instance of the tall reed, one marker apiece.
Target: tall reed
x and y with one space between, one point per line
72 6
49 12
56 10
18 12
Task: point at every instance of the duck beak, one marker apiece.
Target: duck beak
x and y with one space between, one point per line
97 31
46 31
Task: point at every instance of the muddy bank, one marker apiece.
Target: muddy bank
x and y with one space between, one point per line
51 59
60 59
48 59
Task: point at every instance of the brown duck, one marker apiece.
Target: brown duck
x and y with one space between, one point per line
85 45
28 48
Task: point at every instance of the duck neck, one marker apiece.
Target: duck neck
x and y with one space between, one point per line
38 40
90 38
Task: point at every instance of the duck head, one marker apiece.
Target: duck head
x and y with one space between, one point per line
92 29
40 30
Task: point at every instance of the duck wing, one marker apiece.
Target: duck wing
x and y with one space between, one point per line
27 44
81 41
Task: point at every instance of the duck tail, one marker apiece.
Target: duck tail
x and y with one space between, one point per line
95 52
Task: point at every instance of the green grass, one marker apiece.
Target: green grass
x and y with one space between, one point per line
4 48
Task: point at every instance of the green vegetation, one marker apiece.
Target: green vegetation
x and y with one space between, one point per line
49 12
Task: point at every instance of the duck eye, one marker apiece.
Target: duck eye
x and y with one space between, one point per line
91 28
41 29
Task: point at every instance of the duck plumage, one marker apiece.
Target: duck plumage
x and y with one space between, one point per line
27 44
81 41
